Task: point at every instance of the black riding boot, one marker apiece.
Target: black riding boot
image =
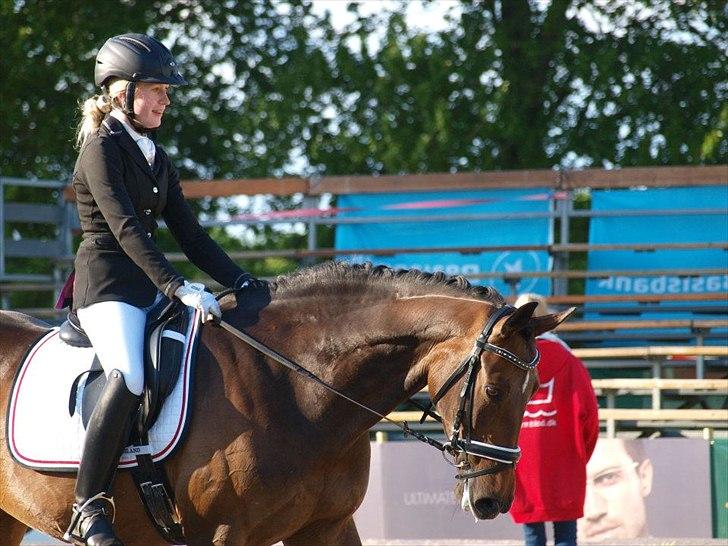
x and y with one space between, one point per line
106 436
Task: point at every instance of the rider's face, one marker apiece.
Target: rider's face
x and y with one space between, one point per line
150 102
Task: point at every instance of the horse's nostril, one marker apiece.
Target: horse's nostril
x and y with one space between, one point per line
486 508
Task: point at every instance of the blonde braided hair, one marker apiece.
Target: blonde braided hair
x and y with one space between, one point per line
94 110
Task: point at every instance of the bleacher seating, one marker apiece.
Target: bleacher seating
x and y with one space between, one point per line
655 417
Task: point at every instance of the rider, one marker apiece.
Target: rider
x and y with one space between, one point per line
123 182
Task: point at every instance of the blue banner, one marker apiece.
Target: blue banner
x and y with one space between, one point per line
419 232
666 228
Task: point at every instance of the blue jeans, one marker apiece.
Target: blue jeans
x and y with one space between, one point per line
564 533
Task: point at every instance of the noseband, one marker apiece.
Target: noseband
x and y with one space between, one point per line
502 455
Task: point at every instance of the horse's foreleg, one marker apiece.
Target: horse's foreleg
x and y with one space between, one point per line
327 533
11 530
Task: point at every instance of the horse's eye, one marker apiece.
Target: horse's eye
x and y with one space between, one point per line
492 391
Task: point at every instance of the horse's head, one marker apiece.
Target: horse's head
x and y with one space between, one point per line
482 404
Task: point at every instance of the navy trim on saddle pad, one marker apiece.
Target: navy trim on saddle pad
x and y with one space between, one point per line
18 370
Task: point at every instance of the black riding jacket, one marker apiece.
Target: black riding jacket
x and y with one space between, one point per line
119 197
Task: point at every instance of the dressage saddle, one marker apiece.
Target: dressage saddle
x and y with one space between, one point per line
162 360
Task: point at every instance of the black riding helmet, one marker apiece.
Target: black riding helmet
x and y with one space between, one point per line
136 58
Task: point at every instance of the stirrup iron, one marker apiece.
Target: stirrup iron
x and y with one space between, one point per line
73 533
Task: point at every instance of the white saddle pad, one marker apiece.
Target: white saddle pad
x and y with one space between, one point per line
40 432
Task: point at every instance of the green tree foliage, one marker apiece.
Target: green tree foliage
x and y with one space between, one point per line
526 84
245 62
46 68
275 90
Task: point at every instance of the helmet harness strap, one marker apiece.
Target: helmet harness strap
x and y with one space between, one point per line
128 106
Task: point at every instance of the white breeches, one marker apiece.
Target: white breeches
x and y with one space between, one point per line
116 330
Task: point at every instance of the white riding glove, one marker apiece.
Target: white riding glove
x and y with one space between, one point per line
194 295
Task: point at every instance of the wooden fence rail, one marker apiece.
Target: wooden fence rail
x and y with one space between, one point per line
691 324
546 178
667 418
653 356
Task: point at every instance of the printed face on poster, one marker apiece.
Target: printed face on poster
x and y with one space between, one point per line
631 493
631 487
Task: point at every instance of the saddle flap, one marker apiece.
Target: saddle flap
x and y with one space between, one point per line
92 389
166 347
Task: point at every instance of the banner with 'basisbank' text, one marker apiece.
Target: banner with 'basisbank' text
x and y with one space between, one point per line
681 215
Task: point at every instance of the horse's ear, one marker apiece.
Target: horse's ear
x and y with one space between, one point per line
546 323
520 318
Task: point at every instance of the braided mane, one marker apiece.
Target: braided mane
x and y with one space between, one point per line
344 277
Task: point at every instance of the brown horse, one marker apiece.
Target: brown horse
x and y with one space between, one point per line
270 455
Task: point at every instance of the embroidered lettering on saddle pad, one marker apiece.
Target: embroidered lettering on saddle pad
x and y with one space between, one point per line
41 432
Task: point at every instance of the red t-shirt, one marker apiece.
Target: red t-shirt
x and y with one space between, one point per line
560 428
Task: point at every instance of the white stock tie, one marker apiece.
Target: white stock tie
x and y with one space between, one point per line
147 147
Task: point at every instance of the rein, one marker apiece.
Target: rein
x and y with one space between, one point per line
291 365
503 456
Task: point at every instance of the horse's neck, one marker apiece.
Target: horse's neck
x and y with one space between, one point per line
378 352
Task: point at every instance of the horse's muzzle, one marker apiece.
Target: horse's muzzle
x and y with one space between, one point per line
485 499
486 508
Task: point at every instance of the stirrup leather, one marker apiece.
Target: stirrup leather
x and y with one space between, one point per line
84 512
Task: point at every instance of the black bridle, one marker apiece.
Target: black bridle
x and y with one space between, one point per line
465 445
502 455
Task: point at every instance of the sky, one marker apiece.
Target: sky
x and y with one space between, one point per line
424 15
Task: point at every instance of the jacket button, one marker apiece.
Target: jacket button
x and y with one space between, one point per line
147 211
155 189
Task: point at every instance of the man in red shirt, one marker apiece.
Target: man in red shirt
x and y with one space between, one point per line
559 430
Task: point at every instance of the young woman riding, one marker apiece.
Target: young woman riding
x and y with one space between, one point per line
123 183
